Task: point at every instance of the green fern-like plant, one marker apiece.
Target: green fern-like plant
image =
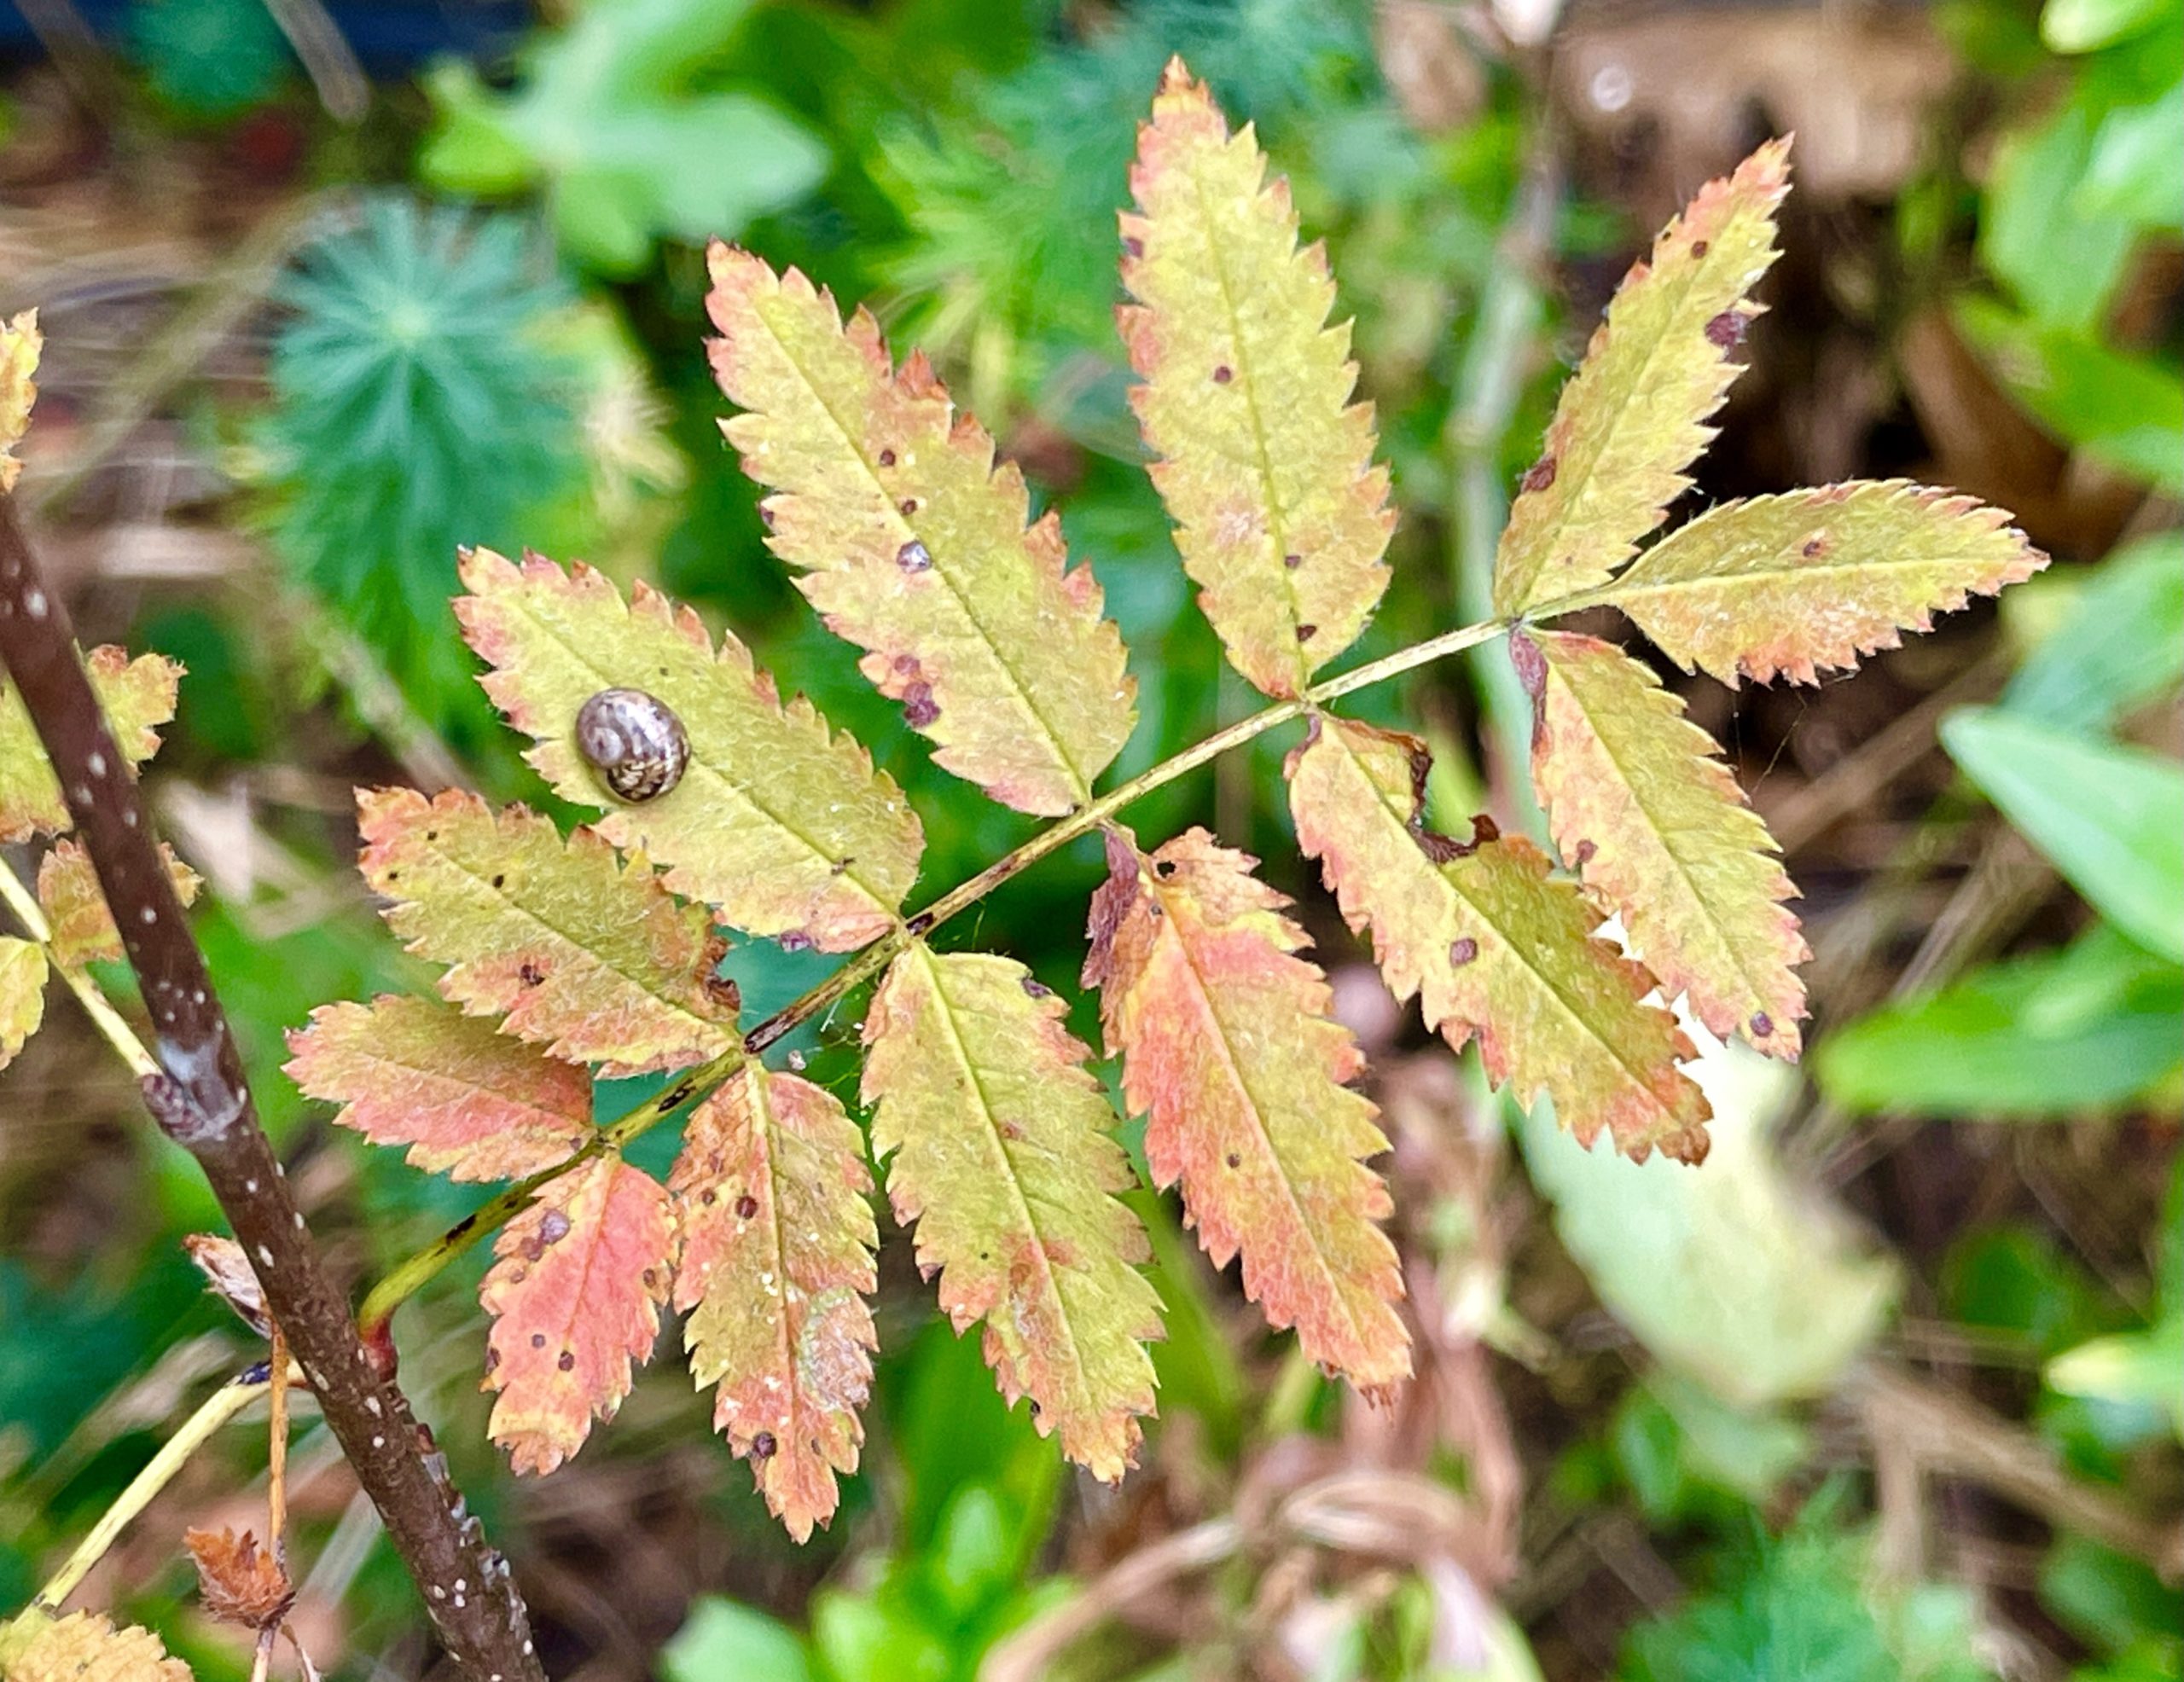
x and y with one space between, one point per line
416 408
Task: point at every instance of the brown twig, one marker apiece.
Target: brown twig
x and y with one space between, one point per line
201 1100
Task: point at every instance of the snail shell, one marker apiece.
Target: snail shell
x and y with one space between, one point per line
633 742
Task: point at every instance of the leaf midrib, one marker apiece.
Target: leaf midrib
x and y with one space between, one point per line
1080 785
644 981
1255 1107
1277 524
931 963
1514 948
1755 997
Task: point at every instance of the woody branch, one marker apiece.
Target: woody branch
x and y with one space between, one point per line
201 1100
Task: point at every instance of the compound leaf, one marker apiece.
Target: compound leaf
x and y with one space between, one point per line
589 957
1495 946
137 696
1230 1052
68 892
1789 585
1642 804
467 1099
22 993
1633 416
1266 465
575 1293
21 344
1001 1156
83 1647
777 1240
914 546
784 826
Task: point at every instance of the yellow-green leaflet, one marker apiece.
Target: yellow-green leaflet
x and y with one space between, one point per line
1495 946
136 696
1633 416
22 993
1792 585
36 1646
997 1136
782 825
1231 1052
916 547
1644 807
771 1200
20 344
588 954
1266 464
69 894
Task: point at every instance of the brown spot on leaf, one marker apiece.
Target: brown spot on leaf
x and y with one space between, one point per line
1539 476
1292 561
919 707
538 1340
529 974
1699 248
796 940
1762 1024
1585 853
913 557
1815 547
1037 988
566 1361
1726 331
747 1207
1530 664
1234 1161
1223 374
1132 246
762 1446
1306 633
909 505
1461 952
887 458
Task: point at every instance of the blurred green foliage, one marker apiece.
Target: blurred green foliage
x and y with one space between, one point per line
619 121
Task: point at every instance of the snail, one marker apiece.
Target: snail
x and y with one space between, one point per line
633 742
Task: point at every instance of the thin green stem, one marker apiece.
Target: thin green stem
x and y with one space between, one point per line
217 1410
97 1006
410 1275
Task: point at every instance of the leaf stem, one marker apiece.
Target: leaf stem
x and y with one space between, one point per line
217 1410
97 1006
409 1276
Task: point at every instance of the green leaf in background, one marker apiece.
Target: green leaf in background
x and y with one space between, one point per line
620 118
2081 26
2132 1369
2062 264
723 1638
2132 176
2140 1369
1730 1275
2054 1035
2117 645
2110 818
2124 411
